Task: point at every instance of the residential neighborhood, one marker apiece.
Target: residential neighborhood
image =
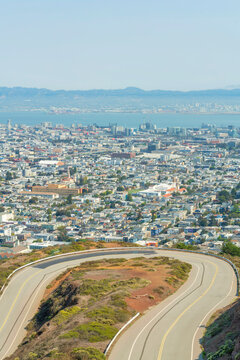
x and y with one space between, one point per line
151 186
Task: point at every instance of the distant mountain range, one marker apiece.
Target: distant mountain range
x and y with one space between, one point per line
131 99
127 92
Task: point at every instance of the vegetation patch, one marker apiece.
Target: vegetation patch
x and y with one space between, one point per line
159 290
108 314
66 314
218 325
225 349
92 332
222 337
88 353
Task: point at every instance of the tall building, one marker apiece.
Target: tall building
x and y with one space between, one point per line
9 125
153 146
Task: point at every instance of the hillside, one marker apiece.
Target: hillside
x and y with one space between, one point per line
85 307
222 337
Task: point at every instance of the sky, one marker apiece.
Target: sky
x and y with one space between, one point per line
110 44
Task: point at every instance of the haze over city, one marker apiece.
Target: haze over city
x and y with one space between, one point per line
78 44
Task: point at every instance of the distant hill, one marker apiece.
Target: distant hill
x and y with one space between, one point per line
129 99
129 91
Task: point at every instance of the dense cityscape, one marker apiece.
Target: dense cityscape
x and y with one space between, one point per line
152 186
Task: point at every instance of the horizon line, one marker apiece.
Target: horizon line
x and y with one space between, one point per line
228 88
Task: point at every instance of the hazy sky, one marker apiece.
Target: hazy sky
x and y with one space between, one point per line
152 44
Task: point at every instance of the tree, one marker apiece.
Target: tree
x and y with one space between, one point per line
9 176
224 196
62 234
213 221
181 245
139 215
83 180
234 193
112 205
129 197
73 170
63 212
33 200
202 221
154 215
229 248
69 199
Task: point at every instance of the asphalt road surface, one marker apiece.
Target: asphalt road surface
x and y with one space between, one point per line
169 331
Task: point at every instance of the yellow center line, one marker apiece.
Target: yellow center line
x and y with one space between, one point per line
17 296
181 315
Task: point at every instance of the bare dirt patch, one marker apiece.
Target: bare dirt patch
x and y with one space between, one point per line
141 299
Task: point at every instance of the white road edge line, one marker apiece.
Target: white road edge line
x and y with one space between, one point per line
5 287
119 332
20 327
206 316
130 354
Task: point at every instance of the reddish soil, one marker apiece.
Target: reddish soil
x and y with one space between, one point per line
141 299
55 284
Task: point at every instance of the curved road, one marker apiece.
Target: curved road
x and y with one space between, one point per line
169 331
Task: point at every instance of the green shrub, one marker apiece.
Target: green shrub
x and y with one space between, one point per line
70 334
237 356
140 264
218 325
32 356
88 353
66 314
77 274
108 313
118 300
116 261
151 297
159 290
93 332
95 288
225 349
180 270
133 283
56 355
172 281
